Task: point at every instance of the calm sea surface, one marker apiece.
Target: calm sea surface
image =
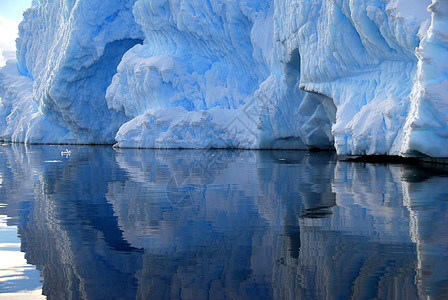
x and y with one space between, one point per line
218 224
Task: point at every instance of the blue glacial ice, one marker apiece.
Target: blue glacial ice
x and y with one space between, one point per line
362 77
67 53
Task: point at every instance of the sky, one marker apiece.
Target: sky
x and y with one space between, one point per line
10 16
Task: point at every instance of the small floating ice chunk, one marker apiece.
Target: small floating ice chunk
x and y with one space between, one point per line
66 153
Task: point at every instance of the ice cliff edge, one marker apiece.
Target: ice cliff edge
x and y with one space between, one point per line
363 77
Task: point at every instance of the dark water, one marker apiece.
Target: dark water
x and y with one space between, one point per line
152 224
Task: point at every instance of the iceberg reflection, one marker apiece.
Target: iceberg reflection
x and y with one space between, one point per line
218 224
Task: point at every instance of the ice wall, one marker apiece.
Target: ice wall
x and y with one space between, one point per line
69 50
317 74
427 124
363 77
208 75
361 55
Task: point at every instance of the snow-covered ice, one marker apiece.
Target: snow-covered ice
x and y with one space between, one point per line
69 51
363 77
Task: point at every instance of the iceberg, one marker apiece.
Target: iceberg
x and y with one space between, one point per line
67 53
360 77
